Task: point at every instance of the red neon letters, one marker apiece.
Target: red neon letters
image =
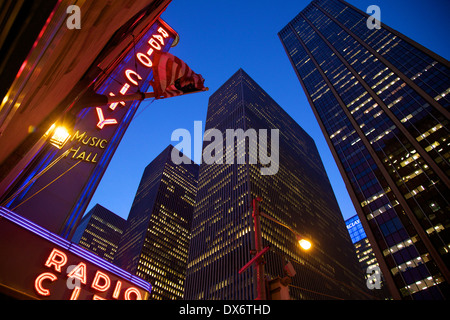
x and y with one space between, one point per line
156 42
56 259
79 272
101 119
38 283
99 278
100 283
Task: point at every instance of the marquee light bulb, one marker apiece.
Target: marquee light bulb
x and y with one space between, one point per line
60 137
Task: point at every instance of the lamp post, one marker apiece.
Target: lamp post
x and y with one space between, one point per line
258 259
259 263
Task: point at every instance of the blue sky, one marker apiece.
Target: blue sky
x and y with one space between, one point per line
219 37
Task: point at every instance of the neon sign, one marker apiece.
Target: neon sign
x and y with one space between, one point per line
38 283
42 265
132 76
96 134
101 282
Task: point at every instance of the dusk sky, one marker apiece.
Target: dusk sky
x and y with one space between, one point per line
219 37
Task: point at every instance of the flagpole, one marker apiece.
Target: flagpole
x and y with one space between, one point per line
201 90
139 96
94 99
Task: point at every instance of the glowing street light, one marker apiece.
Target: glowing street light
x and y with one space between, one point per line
304 244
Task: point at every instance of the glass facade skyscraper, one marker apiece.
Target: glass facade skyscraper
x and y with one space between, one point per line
297 193
100 231
155 244
382 102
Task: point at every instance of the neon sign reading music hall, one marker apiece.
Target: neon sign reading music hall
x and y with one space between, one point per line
78 165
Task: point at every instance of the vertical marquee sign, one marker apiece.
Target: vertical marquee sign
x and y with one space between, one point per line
58 198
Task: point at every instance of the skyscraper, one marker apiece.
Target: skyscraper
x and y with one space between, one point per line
294 189
100 231
155 244
381 100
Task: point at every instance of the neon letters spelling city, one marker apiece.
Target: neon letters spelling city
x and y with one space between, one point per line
156 42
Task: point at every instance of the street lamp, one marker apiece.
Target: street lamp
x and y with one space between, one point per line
304 244
257 259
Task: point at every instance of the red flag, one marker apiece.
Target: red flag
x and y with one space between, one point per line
173 77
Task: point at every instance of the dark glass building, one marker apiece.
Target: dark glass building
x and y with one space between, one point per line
100 231
155 244
294 188
382 102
